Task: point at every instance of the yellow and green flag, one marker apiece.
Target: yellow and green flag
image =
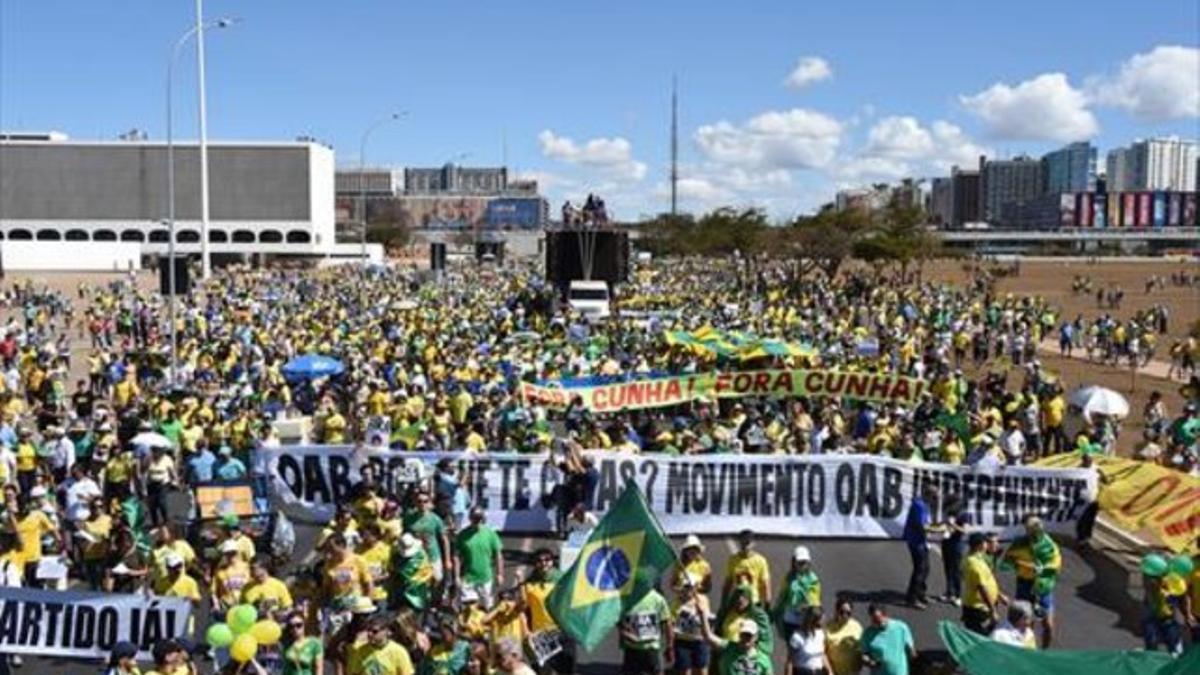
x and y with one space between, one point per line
620 563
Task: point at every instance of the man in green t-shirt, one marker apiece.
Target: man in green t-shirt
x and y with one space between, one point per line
743 656
645 629
887 644
479 559
427 526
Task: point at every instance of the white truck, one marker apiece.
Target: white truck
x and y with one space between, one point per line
589 298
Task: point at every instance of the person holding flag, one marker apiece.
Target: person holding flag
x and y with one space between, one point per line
1038 563
620 564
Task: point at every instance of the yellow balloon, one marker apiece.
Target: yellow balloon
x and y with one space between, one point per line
244 648
1174 585
267 632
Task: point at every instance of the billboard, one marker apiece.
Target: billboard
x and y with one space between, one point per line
514 212
1085 209
1128 208
1191 215
1067 209
1100 210
1114 209
1174 209
1160 209
1143 209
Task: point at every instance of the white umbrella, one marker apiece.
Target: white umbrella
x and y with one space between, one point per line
1100 401
149 439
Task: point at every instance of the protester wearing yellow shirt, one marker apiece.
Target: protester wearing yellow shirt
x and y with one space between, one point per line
749 567
981 594
168 544
231 577
377 554
345 576
378 654
177 583
843 640
537 588
94 534
264 591
31 525
335 429
507 620
692 563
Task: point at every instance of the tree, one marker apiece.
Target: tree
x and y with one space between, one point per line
899 237
823 241
386 224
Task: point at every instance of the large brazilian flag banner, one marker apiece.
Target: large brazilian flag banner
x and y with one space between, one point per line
619 564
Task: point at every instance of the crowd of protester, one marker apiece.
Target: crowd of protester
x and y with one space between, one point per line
416 581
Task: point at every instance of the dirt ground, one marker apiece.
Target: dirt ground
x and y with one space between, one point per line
1050 279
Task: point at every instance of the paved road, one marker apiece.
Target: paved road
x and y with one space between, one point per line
1096 602
1097 598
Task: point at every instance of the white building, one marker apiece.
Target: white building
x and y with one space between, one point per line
264 198
1167 164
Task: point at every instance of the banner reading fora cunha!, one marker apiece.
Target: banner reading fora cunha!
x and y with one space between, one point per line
669 391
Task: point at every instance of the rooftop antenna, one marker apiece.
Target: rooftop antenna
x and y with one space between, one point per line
674 148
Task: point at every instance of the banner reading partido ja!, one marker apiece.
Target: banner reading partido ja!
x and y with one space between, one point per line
812 495
86 624
674 390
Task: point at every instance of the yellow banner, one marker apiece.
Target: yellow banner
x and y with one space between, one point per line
1145 499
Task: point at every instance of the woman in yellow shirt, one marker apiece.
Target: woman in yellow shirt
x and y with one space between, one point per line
345 576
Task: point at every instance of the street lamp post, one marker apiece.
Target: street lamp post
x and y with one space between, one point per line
219 23
362 178
205 262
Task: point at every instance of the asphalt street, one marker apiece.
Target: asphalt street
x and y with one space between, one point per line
1097 605
1097 600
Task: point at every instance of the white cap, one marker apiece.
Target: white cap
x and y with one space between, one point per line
409 545
230 546
175 560
801 554
469 595
37 492
693 541
748 626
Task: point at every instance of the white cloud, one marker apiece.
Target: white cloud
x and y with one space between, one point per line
900 146
614 156
790 139
1161 84
809 70
1046 108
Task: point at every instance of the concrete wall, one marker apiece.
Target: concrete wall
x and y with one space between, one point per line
69 256
73 181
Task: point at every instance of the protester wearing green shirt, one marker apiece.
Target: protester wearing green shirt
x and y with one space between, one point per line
887 644
743 655
427 526
479 562
644 629
302 654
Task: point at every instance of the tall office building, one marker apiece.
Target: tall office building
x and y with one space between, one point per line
941 201
1071 168
1167 164
1007 180
964 197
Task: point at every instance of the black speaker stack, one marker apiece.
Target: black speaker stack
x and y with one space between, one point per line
183 282
437 256
568 250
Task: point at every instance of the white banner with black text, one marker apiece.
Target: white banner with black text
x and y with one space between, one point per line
810 495
86 624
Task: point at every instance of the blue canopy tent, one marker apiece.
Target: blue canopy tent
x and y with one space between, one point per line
312 366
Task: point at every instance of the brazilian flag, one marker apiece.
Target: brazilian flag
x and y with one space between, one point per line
619 564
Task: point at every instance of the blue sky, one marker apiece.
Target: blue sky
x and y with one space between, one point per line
781 102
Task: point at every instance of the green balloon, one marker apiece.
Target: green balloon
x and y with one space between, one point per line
218 636
1154 565
1181 565
241 618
